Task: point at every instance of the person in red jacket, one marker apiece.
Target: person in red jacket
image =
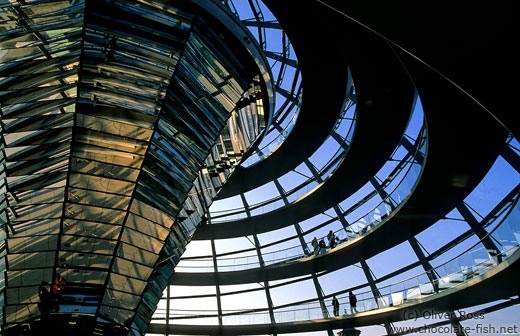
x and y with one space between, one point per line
58 286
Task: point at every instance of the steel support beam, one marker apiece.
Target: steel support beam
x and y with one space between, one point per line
282 59
411 148
375 291
215 269
481 233
261 262
432 276
297 226
264 24
511 157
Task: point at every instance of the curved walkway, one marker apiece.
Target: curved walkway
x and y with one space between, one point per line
502 278
457 158
385 97
400 225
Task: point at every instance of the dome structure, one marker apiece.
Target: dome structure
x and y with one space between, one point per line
204 167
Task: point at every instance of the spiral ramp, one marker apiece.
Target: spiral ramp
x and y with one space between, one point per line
239 131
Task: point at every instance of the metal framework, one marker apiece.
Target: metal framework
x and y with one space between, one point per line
329 146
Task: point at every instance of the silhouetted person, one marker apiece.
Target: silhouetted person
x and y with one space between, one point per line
353 302
335 305
45 299
332 239
322 246
314 244
203 220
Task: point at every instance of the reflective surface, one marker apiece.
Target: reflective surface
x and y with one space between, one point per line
116 116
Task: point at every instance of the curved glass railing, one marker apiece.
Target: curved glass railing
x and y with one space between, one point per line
362 225
469 264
